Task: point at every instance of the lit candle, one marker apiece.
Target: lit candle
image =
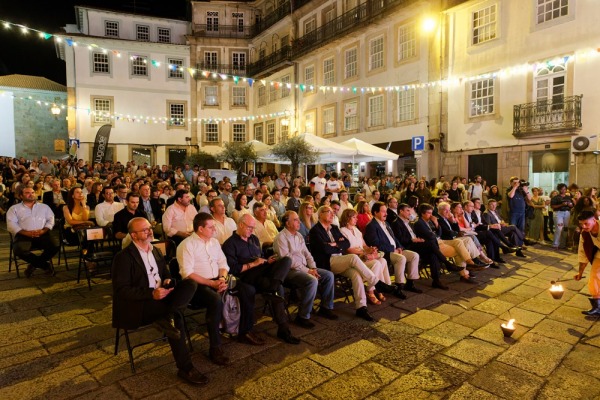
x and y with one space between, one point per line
509 328
557 291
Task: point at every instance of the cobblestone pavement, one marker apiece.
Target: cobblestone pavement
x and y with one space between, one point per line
56 341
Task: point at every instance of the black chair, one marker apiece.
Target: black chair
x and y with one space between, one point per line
168 249
345 285
96 247
12 257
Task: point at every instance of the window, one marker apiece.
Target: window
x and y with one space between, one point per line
238 21
285 90
309 78
376 110
164 35
482 97
484 25
328 72
175 68
139 65
262 53
285 41
239 133
351 64
284 130
350 116
550 85
211 132
329 121
376 53
547 10
102 110
176 114
211 96
100 63
406 105
309 122
111 28
212 21
143 33
239 62
310 25
407 42
239 96
258 132
262 96
272 93
210 59
271 132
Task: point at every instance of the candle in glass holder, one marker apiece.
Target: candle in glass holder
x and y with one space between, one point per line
557 291
509 328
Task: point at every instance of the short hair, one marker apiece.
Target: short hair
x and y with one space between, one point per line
107 187
286 216
258 191
404 206
424 207
200 220
377 206
586 215
560 186
212 202
346 215
335 203
474 199
120 186
132 194
491 201
258 204
442 205
454 204
180 192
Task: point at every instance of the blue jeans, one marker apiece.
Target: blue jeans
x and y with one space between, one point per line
308 285
561 219
518 219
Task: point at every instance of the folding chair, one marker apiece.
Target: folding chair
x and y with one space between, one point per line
96 246
12 257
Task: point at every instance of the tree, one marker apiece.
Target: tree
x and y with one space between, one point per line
237 154
202 159
297 151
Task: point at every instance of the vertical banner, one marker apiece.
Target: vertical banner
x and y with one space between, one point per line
101 143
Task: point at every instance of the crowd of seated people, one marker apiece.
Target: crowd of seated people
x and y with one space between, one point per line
269 236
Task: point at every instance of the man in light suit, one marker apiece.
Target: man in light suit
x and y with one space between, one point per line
143 294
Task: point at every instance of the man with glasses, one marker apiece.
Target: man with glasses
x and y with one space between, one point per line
121 196
244 257
30 224
210 195
143 294
105 211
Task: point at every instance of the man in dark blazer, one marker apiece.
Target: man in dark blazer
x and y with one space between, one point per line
491 241
55 199
503 230
379 234
143 294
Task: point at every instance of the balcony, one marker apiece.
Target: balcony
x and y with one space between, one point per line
270 62
227 69
560 115
224 31
271 19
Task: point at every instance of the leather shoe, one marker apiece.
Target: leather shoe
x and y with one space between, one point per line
452 267
364 314
410 287
167 326
217 356
520 254
500 260
273 296
475 267
439 285
468 280
193 376
480 262
304 322
29 270
327 313
508 250
251 339
286 336
398 293
384 287
494 265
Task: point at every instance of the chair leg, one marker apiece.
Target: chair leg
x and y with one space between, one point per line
129 351
187 332
117 336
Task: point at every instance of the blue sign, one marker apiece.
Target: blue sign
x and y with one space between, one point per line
418 143
71 141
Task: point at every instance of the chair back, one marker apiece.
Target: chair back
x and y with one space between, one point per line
174 269
167 248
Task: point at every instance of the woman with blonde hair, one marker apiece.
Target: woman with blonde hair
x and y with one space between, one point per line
308 219
369 255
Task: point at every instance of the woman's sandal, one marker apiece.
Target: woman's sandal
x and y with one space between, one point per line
372 299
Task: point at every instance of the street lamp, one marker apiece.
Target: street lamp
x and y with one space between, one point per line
55 110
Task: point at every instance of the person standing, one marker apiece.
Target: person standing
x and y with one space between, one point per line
588 253
519 196
561 205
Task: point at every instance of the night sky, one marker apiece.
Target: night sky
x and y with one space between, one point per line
30 55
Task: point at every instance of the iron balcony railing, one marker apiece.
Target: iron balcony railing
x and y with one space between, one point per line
228 69
276 58
556 114
224 31
271 19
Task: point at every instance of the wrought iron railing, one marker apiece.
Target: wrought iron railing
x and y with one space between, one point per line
272 18
557 114
228 69
224 31
282 55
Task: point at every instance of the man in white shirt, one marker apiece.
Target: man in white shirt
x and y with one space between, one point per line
277 204
282 182
475 190
258 195
265 229
201 259
179 216
317 184
304 274
376 196
224 226
105 211
334 186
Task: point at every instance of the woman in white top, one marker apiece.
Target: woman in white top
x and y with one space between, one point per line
344 203
241 208
368 189
369 255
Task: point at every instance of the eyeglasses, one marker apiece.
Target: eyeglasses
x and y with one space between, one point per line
145 230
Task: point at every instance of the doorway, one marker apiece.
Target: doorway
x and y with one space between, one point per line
485 165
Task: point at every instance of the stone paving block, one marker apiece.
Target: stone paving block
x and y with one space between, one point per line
388 335
407 354
21 352
412 395
491 332
579 301
346 355
592 336
277 356
77 338
15 320
446 333
112 392
571 315
456 364
57 385
540 282
41 330
173 393
507 382
388 314
162 378
584 359
16 294
540 305
5 308
416 303
510 297
526 291
499 286
425 319
522 317
306 396
299 377
473 319
451 309
356 383
566 384
474 351
470 392
66 310
342 332
469 299
494 306
559 330
536 354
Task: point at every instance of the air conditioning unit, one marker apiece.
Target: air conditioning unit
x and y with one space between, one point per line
585 144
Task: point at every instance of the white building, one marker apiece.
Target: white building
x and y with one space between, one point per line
130 71
523 86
